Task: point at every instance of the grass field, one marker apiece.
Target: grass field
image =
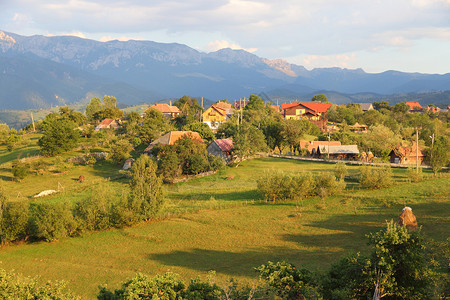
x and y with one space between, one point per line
222 225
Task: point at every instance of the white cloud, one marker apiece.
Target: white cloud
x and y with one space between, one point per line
319 61
277 29
222 44
119 38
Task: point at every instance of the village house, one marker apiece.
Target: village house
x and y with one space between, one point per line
358 128
346 152
222 149
238 104
167 110
307 110
404 154
107 124
414 106
311 146
216 114
171 137
433 109
365 106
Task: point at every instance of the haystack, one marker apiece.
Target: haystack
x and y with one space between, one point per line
407 218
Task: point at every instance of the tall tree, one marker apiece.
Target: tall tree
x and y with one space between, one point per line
60 135
146 195
439 154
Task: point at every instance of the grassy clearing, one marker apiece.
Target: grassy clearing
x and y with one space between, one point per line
224 231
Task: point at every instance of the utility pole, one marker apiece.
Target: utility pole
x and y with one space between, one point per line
34 128
328 152
432 144
417 150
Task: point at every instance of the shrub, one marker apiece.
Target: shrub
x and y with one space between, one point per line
51 221
165 286
278 186
20 169
376 177
340 170
15 221
93 213
195 164
121 213
414 175
17 287
215 162
169 166
327 185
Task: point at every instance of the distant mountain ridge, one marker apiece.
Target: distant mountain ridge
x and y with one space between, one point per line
39 71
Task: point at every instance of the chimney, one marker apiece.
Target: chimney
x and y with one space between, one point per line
170 102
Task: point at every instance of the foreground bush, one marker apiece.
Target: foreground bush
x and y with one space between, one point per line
166 286
375 177
17 287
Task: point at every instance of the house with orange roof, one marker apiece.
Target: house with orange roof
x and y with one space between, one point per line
414 106
433 109
106 124
167 110
216 114
171 137
314 111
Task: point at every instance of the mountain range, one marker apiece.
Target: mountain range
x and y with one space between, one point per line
40 71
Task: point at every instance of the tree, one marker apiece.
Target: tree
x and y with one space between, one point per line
146 195
248 141
399 262
292 133
20 169
439 154
60 135
320 97
92 108
203 130
120 150
287 281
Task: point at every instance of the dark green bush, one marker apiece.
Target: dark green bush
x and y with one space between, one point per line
51 221
15 221
93 213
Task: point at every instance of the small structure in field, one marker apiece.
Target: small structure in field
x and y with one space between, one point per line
407 218
45 193
81 179
127 164
338 152
222 149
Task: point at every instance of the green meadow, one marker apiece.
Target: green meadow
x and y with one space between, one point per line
219 223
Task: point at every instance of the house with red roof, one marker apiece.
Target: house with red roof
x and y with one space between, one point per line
414 106
106 124
221 148
171 137
167 110
313 111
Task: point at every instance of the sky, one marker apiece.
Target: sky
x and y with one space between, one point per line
375 35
